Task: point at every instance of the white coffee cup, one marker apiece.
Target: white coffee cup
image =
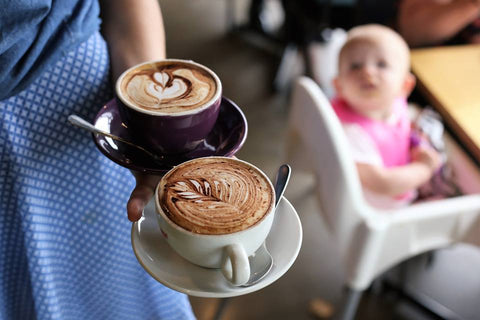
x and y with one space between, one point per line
228 252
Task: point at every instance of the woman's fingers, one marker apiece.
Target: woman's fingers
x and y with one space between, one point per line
141 195
137 202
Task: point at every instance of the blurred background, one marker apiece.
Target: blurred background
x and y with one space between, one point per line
256 71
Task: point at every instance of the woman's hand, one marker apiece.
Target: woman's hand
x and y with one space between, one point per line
141 194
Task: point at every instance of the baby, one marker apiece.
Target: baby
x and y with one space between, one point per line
372 87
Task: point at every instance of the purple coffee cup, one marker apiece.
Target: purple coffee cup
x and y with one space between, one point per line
169 105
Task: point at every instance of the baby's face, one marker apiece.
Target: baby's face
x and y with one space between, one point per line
371 75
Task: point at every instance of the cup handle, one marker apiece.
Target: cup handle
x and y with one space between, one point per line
235 266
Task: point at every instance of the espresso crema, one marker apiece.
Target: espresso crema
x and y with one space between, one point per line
215 195
169 87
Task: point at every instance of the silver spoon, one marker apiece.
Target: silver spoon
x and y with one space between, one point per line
261 262
81 123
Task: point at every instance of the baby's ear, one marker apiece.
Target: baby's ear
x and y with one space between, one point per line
408 84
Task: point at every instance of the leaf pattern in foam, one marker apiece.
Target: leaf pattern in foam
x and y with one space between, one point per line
202 190
215 196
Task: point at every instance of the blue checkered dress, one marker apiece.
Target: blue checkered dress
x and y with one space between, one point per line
65 250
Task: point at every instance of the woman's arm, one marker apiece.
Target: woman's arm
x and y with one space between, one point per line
427 22
134 32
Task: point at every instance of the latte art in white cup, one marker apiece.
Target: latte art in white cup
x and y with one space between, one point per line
169 87
216 212
215 195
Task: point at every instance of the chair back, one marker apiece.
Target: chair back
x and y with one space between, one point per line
321 139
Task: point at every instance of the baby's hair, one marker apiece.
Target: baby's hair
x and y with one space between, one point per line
376 33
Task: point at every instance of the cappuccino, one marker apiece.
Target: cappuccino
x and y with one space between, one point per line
169 87
215 195
169 105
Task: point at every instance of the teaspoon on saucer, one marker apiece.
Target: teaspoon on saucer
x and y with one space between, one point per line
82 123
262 262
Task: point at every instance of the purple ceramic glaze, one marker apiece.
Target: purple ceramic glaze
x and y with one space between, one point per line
176 132
227 136
170 134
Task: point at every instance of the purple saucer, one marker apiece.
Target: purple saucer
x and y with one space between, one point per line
226 138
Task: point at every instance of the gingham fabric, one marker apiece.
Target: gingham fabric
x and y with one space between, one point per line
65 250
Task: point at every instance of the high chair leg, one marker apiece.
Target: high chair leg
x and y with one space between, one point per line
349 304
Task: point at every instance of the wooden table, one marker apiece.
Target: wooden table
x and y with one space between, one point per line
450 79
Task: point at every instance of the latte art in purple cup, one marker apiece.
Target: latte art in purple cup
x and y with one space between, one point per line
169 87
215 195
169 105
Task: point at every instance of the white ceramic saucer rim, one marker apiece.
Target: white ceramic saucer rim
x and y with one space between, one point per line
277 271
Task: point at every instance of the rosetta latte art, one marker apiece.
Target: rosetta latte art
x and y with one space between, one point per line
215 197
170 88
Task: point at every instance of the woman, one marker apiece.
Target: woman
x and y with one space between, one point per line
65 245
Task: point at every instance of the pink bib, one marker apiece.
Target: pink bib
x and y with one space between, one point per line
392 139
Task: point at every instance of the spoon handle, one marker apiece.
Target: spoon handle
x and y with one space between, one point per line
283 176
82 123
79 122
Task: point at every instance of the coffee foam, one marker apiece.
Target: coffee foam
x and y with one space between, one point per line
169 87
215 195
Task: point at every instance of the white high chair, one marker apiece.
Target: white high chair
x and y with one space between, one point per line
371 241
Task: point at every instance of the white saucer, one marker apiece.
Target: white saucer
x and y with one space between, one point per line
167 267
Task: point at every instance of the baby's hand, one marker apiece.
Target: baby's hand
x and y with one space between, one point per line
428 156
